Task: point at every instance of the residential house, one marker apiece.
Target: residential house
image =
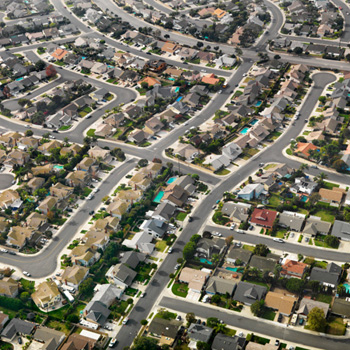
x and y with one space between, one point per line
226 342
8 198
195 279
333 197
207 247
42 170
3 320
74 275
248 293
307 304
303 149
132 259
141 241
139 136
51 338
35 183
18 327
118 208
237 212
9 288
37 221
165 331
263 217
303 185
251 191
61 191
292 220
175 194
198 332
16 157
19 236
328 277
47 204
78 178
164 211
121 275
157 228
264 263
46 295
341 229
84 255
78 342
221 286
295 269
210 79
282 303
314 225
239 256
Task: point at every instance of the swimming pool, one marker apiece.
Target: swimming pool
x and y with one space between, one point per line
158 197
347 287
258 104
171 180
179 99
244 131
172 79
234 269
177 89
58 167
254 121
202 260
304 198
19 79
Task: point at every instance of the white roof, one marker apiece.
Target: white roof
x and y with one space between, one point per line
89 334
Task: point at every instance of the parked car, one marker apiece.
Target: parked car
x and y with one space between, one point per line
170 250
126 320
112 343
279 240
143 295
20 340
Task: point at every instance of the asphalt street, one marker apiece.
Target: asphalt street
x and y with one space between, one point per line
5 181
256 325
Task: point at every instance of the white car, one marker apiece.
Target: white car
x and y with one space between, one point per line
3 250
279 240
232 227
112 343
217 234
26 273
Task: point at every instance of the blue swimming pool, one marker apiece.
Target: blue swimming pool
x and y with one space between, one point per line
303 198
172 79
59 167
244 131
171 180
179 98
254 121
234 269
177 89
158 197
19 79
258 104
347 287
202 260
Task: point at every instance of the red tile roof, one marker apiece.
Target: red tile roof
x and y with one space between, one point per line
293 268
263 217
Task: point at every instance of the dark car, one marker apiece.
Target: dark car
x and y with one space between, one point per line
55 131
12 252
20 340
280 317
199 321
190 219
91 212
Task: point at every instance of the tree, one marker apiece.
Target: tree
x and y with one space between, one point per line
40 65
86 286
190 318
316 320
50 71
29 133
201 345
220 327
295 285
22 101
143 343
332 241
261 250
24 296
277 57
189 250
303 167
142 163
130 301
257 308
199 44
228 240
212 322
314 198
73 318
339 165
144 322
298 50
216 299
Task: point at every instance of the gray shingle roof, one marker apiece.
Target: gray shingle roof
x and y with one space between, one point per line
248 293
133 258
217 285
167 328
225 342
328 276
341 230
17 325
199 333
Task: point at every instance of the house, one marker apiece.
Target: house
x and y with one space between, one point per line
42 170
46 295
187 152
19 236
314 225
165 330
139 136
226 342
16 157
51 338
328 277
78 178
195 279
282 303
18 327
78 342
303 149
61 191
156 65
263 217
303 185
99 94
153 125
225 61
108 224
175 194
164 211
248 293
207 247
141 241
210 79
237 212
187 183
59 54
221 286
239 256
132 259
341 229
341 307
198 332
47 204
3 320
96 239
292 220
88 164
295 269
74 275
37 221
307 304
8 198
118 208
35 183
170 47
157 228
334 196
121 275
84 255
8 288
251 191
264 263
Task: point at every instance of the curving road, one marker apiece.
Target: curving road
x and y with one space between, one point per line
6 181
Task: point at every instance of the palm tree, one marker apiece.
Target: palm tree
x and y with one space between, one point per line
303 167
220 328
321 176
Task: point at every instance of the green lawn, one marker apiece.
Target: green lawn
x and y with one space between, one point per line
65 127
181 216
274 200
324 298
86 191
281 232
249 152
180 289
269 166
275 135
336 326
5 346
329 185
161 245
248 247
268 314
91 132
324 215
320 243
223 172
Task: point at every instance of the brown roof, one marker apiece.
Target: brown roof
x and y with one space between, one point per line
282 303
331 195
